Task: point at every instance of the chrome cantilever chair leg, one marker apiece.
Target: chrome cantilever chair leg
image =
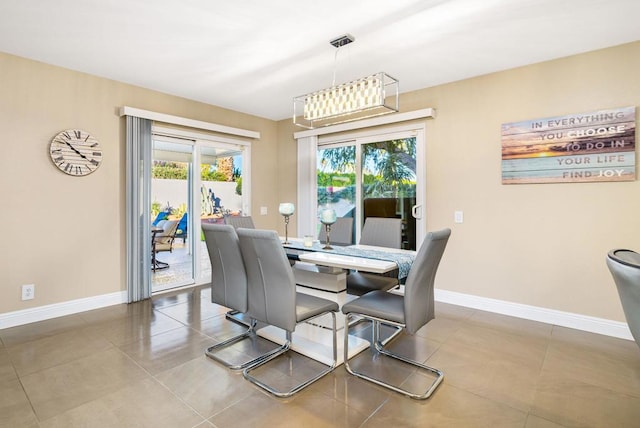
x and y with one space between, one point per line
236 317
378 346
284 349
356 319
247 334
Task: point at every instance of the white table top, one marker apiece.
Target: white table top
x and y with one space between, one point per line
350 257
349 262
384 249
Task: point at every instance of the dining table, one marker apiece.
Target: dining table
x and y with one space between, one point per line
322 272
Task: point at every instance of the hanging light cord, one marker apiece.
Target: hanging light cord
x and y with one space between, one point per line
335 66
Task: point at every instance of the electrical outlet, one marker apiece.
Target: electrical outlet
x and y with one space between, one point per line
28 291
263 210
458 217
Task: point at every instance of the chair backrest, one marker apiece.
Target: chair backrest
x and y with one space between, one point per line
240 221
228 275
272 287
418 290
184 220
382 232
162 215
341 231
625 269
169 231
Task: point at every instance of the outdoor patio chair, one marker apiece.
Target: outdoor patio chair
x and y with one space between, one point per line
162 215
164 240
181 231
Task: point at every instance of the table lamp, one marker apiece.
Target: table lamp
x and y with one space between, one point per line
328 217
286 209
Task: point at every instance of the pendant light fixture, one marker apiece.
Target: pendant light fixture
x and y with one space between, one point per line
368 96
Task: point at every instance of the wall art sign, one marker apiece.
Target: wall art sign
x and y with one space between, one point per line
596 146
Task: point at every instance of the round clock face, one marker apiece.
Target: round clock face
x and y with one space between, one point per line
75 152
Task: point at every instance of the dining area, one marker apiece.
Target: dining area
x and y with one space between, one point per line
317 297
142 364
498 370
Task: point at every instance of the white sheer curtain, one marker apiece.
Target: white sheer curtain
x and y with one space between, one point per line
138 216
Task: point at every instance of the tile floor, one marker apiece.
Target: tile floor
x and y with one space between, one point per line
143 365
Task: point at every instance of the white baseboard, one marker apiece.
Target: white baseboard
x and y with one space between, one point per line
534 313
41 313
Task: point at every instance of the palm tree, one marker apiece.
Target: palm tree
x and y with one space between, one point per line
389 165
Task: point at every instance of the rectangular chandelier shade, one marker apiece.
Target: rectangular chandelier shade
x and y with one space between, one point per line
366 97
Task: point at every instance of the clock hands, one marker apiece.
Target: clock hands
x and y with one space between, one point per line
76 150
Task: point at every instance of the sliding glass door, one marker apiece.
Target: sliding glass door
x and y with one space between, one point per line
372 177
388 182
337 180
194 181
220 190
171 206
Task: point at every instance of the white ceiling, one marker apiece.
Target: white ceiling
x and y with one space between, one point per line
254 56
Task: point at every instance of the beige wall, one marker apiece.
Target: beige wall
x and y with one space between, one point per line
66 234
541 244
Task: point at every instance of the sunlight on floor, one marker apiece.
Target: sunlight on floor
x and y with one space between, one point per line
180 270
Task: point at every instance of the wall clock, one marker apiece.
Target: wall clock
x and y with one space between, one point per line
75 152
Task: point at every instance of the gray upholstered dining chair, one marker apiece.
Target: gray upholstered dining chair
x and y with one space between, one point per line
341 232
624 266
381 232
240 221
273 298
410 312
228 285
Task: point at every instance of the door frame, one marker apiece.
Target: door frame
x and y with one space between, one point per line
307 170
138 174
198 141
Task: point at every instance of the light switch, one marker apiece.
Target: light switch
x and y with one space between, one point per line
458 217
263 210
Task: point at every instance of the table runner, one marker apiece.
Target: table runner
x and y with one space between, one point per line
404 261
